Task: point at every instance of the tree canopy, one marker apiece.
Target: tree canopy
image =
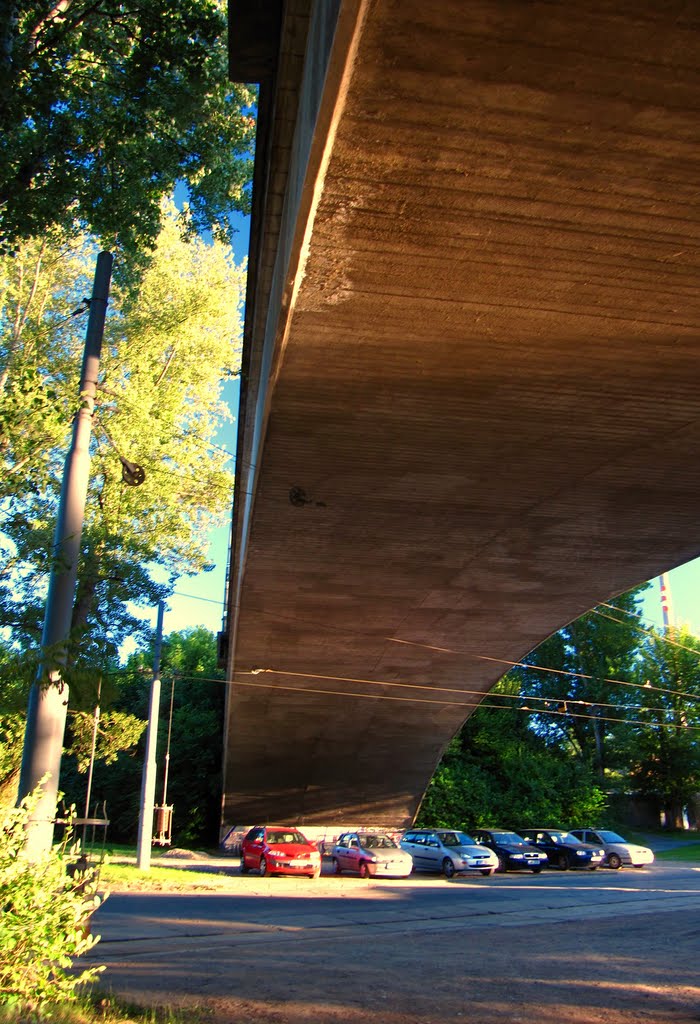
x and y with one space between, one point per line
104 106
167 351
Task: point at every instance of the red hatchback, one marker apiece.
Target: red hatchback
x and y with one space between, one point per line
276 850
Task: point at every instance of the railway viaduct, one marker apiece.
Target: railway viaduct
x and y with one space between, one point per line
470 404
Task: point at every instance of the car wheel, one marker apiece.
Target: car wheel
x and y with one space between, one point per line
502 864
614 860
263 867
537 870
336 866
316 872
563 862
244 867
487 871
448 868
363 869
592 867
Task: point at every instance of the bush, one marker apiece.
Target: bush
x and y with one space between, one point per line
44 918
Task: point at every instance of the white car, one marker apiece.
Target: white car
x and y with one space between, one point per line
447 850
370 854
617 850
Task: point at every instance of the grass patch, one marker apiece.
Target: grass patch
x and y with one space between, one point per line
125 877
689 853
103 1009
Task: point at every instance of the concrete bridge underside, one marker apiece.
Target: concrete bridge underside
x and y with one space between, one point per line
470 404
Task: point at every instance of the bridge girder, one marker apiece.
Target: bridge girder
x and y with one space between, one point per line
470 408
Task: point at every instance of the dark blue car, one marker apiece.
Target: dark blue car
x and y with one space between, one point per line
513 853
564 850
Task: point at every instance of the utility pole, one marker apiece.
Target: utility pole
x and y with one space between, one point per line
48 698
148 779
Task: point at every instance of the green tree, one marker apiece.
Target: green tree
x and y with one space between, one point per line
105 106
166 353
190 674
662 747
568 677
500 770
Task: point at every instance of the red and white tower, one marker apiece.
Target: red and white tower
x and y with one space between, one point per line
666 603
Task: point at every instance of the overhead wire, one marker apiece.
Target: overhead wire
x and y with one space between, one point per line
663 637
475 705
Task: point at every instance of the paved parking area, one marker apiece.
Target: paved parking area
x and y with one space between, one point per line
565 947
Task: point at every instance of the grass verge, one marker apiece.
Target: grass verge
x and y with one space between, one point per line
103 1009
121 877
689 853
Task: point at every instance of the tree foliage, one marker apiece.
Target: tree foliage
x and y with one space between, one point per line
663 741
602 707
190 675
569 676
167 351
499 771
104 106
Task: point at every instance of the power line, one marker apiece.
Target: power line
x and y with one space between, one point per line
647 632
475 705
543 668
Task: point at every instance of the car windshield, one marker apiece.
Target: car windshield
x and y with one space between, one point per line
284 836
611 837
567 839
456 839
508 837
371 841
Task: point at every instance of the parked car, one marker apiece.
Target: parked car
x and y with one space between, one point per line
279 850
447 850
563 849
617 850
371 854
513 853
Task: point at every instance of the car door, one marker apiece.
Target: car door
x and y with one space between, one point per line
414 843
432 852
353 853
341 851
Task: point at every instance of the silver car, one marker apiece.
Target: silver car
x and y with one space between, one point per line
617 850
371 854
447 850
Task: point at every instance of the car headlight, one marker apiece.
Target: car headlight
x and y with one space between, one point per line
314 855
516 856
582 853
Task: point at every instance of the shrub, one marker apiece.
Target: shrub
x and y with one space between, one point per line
44 918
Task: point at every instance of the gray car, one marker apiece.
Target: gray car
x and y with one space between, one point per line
618 851
447 850
371 854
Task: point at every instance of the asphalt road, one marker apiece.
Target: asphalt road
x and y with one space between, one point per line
613 946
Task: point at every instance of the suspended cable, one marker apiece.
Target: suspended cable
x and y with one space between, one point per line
439 689
647 632
543 668
475 705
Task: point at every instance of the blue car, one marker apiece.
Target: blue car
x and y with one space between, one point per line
513 853
563 849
